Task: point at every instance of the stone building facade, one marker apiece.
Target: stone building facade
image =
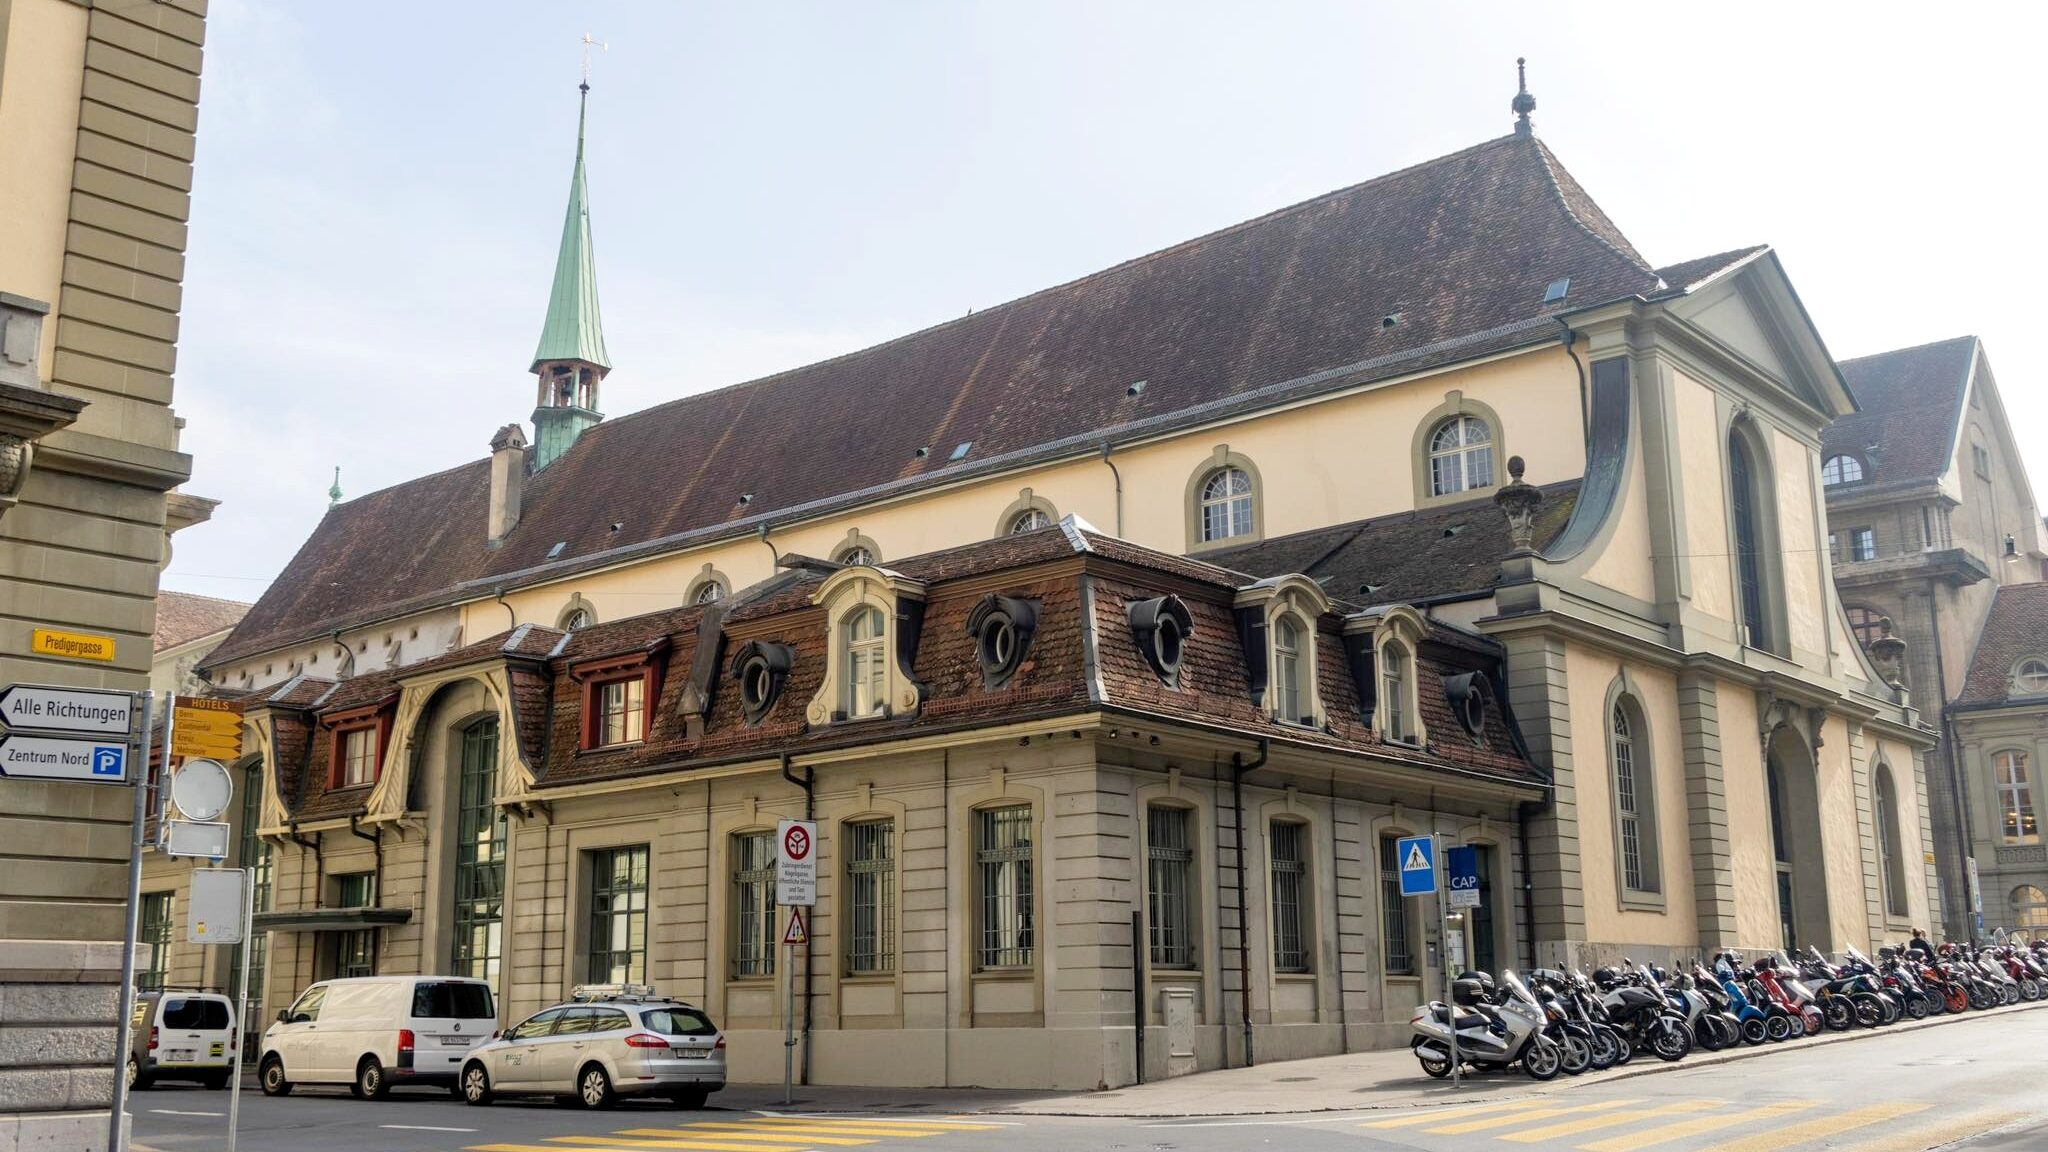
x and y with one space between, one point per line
1601 487
1997 722
1930 514
98 106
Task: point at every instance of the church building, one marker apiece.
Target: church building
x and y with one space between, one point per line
1113 636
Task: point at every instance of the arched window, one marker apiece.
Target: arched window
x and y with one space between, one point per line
2015 797
1866 623
1841 470
709 592
577 617
1030 520
2029 907
2030 678
1891 857
1460 456
1287 669
1226 504
1634 796
1396 702
857 556
480 842
866 662
1747 497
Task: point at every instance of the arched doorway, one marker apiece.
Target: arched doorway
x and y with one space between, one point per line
1800 864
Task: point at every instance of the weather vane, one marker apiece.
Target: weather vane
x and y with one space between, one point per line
590 42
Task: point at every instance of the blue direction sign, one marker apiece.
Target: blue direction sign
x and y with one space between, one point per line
55 758
1463 866
1417 855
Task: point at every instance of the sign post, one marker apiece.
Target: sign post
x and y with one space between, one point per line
138 750
1418 857
792 936
796 886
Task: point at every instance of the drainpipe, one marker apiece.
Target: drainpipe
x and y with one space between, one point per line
1114 471
1528 886
511 617
1238 769
810 812
319 868
1336 935
774 557
1571 338
376 839
346 652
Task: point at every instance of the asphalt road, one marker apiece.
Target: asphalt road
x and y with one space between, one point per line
1976 1084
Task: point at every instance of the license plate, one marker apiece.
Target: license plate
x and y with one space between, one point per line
691 1053
177 1056
458 1041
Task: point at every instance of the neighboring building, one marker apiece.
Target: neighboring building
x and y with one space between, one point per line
98 105
1929 513
2000 728
188 629
547 740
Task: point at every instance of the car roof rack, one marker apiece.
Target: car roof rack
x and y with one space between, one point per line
591 993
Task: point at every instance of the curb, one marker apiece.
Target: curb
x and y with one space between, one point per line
1698 1059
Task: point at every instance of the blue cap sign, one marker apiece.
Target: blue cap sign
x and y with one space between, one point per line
1417 857
1463 866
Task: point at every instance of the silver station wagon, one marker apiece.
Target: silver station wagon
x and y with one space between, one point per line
610 1041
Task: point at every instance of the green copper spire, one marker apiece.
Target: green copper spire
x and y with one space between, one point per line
573 330
334 490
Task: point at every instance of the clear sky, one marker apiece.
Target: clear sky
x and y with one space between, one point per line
380 186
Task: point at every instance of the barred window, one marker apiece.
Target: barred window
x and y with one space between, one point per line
618 915
1625 800
1170 884
1400 957
870 898
156 937
753 905
1289 842
480 834
1002 864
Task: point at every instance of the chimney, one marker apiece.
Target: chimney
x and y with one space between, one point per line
508 480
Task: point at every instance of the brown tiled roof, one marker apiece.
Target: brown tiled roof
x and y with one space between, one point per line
182 617
1686 273
1908 402
1411 556
1288 304
2017 627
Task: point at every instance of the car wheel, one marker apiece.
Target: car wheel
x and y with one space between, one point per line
475 1087
692 1098
370 1083
137 1078
270 1076
594 1087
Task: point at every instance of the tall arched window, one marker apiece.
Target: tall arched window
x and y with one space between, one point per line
1460 455
2015 797
1287 668
1891 857
1841 470
1226 504
1396 704
2029 908
1634 797
1746 495
480 840
866 668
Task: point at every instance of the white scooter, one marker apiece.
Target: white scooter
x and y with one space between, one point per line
1494 1030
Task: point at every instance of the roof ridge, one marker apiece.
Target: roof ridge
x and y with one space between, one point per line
1550 166
162 592
394 486
1971 337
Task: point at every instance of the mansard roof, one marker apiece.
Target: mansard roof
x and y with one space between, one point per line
1909 404
2016 629
1291 304
1082 657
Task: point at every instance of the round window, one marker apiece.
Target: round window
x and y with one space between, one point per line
1166 642
759 684
998 642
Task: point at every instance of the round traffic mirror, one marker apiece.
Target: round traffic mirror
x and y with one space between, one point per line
201 789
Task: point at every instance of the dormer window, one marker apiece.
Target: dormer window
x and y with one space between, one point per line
1002 627
1030 520
619 693
358 756
356 742
864 644
858 555
1397 683
621 711
2031 677
1276 622
1160 628
1841 470
1287 667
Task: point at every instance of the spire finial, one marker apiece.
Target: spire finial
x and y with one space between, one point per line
1523 103
590 42
334 490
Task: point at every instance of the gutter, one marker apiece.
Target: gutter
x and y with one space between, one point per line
376 838
1238 770
810 812
319 866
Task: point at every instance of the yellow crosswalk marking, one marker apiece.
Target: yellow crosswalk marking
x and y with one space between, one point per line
1943 1133
633 1144
1432 1115
1519 1117
1609 1120
1820 1126
805 1136
876 1123
1665 1134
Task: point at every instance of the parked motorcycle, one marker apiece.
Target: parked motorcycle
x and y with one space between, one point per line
1752 1020
1495 1027
1642 1015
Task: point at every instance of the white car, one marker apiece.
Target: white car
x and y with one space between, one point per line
611 1041
181 1036
376 1032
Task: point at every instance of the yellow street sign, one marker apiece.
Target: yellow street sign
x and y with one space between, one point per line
210 728
200 745
71 645
224 725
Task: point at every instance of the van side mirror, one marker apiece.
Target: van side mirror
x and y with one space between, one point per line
284 1015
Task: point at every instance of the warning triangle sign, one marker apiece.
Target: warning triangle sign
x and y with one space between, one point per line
1416 861
795 934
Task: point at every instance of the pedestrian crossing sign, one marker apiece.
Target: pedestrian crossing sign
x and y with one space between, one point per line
1417 855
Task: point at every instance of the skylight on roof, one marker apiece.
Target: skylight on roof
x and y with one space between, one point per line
1557 290
961 450
557 549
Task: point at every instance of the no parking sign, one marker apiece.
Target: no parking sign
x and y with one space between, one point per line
796 863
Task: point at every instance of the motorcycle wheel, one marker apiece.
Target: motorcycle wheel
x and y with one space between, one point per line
1671 1042
1778 1028
1706 1034
1541 1059
1578 1055
1957 998
1437 1068
1624 1048
1606 1048
1810 1016
1836 1013
1869 1013
2030 989
2012 993
1982 997
1754 1032
1915 1006
1892 1011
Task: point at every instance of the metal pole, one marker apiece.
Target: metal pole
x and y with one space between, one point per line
1443 927
241 1003
123 1034
789 1022
1138 990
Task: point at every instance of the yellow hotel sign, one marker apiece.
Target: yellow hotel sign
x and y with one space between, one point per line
210 728
71 645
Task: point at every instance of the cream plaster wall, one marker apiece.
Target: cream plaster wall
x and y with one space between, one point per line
1705 501
1806 582
1590 672
1749 819
1841 837
40 80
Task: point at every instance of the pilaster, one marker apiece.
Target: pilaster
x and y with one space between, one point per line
1537 692
1706 803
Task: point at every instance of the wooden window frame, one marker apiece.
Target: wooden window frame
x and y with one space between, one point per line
647 666
341 725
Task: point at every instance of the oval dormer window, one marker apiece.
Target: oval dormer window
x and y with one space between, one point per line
762 668
1002 627
1466 693
1161 627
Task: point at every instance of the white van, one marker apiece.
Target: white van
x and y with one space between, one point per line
376 1032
